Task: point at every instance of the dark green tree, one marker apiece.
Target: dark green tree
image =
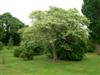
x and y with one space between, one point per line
91 9
10 26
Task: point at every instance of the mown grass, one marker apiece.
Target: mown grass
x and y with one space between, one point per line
41 65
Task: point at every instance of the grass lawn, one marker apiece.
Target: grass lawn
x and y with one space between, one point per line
41 65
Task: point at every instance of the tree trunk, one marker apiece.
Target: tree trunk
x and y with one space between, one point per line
2 61
54 52
98 49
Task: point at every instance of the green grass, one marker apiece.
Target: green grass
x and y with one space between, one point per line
41 65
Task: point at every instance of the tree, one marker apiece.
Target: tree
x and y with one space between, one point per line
61 32
10 26
91 9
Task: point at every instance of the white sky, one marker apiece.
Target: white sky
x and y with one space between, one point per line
22 8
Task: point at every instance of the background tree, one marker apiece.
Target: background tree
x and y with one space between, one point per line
91 9
10 26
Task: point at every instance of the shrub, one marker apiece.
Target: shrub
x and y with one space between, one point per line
27 54
27 50
17 51
70 49
24 51
38 50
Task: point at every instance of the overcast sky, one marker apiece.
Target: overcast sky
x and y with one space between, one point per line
22 8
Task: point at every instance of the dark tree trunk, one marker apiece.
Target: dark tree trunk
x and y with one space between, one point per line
98 48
